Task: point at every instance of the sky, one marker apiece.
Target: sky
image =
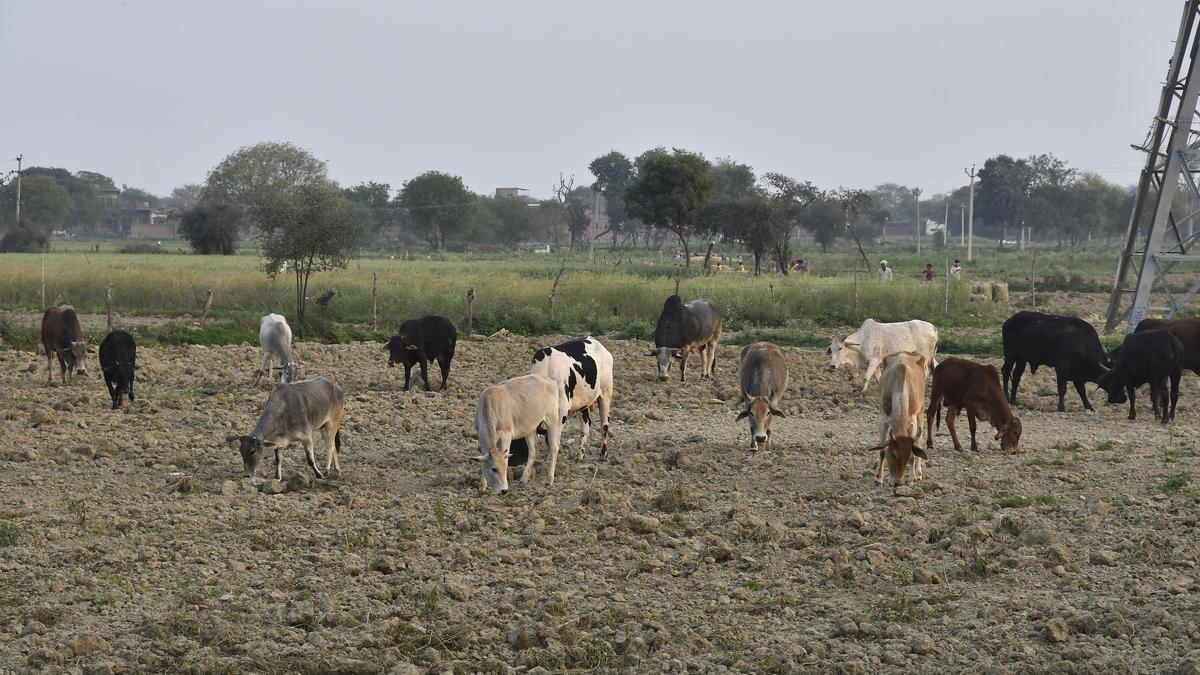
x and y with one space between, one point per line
156 93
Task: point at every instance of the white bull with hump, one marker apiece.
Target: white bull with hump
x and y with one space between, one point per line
275 340
513 409
868 346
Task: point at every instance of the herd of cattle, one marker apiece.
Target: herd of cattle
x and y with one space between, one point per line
576 379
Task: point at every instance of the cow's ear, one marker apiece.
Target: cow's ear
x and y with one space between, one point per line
999 433
651 353
878 447
919 452
743 415
777 413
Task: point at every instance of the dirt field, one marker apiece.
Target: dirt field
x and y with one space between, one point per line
129 542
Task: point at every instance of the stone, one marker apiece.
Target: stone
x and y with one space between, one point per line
1103 557
42 416
1058 553
1056 630
299 614
272 487
914 526
924 576
641 524
88 644
922 645
229 488
298 481
855 519
384 565
33 628
1036 536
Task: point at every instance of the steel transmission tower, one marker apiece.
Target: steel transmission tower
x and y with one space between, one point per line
1157 257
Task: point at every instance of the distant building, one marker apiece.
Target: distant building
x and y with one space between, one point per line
509 192
109 195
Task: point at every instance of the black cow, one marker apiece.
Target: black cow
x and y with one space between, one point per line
419 341
62 336
1188 332
682 328
1146 357
1068 345
118 361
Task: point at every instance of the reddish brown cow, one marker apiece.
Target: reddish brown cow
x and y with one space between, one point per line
1188 332
62 336
974 387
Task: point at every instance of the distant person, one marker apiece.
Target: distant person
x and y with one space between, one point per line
805 265
928 273
956 270
884 272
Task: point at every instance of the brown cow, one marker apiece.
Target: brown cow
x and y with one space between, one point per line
902 398
975 388
1188 332
762 378
62 336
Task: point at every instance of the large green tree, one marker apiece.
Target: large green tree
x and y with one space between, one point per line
88 209
824 221
749 221
376 199
669 192
262 174
211 228
438 206
312 228
790 199
45 204
1003 189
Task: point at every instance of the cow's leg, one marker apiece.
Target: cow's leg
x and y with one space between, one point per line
585 421
49 367
1082 391
132 377
1018 371
872 366
604 403
112 391
553 440
1175 390
444 366
407 375
684 354
531 441
952 426
1129 393
879 473
330 447
425 371
310 456
972 424
1061 377
1005 372
279 462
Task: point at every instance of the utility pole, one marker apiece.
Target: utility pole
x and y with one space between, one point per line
946 224
917 196
962 225
19 158
971 215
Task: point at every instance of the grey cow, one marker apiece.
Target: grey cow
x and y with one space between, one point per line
294 414
762 378
682 328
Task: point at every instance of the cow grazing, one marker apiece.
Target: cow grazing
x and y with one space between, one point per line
583 369
294 413
118 362
419 341
275 340
1188 332
62 336
902 398
1151 357
1068 345
868 346
762 379
512 409
683 328
975 388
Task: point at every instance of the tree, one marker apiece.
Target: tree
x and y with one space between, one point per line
854 202
1003 189
515 220
88 209
211 228
264 174
185 196
749 221
669 192
789 199
732 181
824 221
614 174
45 204
312 229
376 199
439 206
135 197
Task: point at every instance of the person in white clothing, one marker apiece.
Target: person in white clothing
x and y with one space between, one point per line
884 272
956 271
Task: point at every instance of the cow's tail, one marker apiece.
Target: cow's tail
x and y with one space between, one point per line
337 441
939 418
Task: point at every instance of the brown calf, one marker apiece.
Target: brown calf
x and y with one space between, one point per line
974 387
902 397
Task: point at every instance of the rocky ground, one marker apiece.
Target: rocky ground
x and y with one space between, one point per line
129 542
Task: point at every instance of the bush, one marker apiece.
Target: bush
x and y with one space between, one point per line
23 241
141 247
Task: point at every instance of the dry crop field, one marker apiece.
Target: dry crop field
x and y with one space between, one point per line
130 542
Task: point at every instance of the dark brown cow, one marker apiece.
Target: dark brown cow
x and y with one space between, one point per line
62 336
974 387
1188 332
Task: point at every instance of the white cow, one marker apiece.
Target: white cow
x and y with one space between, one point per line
512 409
868 346
584 370
275 339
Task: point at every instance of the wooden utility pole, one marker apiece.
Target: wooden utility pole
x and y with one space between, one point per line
374 301
470 311
946 224
917 196
18 221
207 305
43 278
971 216
108 304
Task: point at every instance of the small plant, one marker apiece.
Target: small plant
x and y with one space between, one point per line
1176 482
1046 500
1104 446
676 498
9 533
357 539
897 610
439 511
752 584
431 601
79 509
1006 500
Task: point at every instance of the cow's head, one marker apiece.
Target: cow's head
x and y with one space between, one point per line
760 412
398 349
663 355
841 352
495 469
75 354
897 454
252 449
1009 435
1110 382
291 372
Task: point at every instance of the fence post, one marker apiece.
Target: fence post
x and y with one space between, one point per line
375 301
1032 283
470 311
856 296
554 288
946 296
207 305
108 304
43 281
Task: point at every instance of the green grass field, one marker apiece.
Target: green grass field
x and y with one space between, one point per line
512 291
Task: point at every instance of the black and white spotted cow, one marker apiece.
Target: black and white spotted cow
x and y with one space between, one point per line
583 368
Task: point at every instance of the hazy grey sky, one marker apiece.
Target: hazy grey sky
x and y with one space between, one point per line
154 93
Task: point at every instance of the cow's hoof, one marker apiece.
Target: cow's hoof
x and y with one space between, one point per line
318 474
